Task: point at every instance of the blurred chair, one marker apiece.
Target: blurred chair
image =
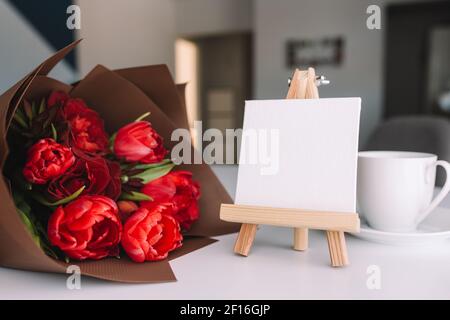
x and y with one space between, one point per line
429 134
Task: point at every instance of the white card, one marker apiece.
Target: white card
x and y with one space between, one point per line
310 165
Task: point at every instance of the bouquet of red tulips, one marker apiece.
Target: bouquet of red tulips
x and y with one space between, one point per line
87 177
84 194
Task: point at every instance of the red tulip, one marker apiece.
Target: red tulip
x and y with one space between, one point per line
87 228
98 175
138 142
47 159
86 128
57 97
179 189
150 234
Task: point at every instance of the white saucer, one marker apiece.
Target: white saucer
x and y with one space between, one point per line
435 228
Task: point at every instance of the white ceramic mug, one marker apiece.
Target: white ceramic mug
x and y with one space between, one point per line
395 189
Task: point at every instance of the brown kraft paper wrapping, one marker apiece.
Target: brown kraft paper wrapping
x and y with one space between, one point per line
120 97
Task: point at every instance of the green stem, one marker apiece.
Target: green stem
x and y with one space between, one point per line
145 115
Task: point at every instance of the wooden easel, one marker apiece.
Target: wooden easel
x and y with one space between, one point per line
302 86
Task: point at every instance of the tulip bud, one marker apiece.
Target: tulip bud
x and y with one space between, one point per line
126 208
139 142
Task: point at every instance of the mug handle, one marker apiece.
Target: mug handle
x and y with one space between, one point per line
442 194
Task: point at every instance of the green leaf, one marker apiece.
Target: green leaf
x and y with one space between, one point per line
34 227
154 173
18 197
14 127
111 141
24 207
48 118
26 221
54 133
34 110
142 166
20 182
45 245
124 166
28 109
20 112
31 228
18 116
152 165
135 196
49 251
42 106
44 201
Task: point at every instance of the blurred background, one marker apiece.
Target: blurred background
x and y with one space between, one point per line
232 50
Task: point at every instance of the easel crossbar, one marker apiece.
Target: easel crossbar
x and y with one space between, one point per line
319 220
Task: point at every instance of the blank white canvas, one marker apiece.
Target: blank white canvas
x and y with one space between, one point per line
318 150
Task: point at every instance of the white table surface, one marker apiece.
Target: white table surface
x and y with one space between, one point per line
272 271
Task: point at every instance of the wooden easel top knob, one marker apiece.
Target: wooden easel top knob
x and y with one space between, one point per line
304 83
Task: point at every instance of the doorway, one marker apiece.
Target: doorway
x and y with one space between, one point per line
219 71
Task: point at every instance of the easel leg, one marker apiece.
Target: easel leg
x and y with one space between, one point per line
245 239
337 248
300 239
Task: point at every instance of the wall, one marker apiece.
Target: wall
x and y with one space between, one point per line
121 33
116 33
203 17
23 49
439 70
129 33
361 73
224 90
